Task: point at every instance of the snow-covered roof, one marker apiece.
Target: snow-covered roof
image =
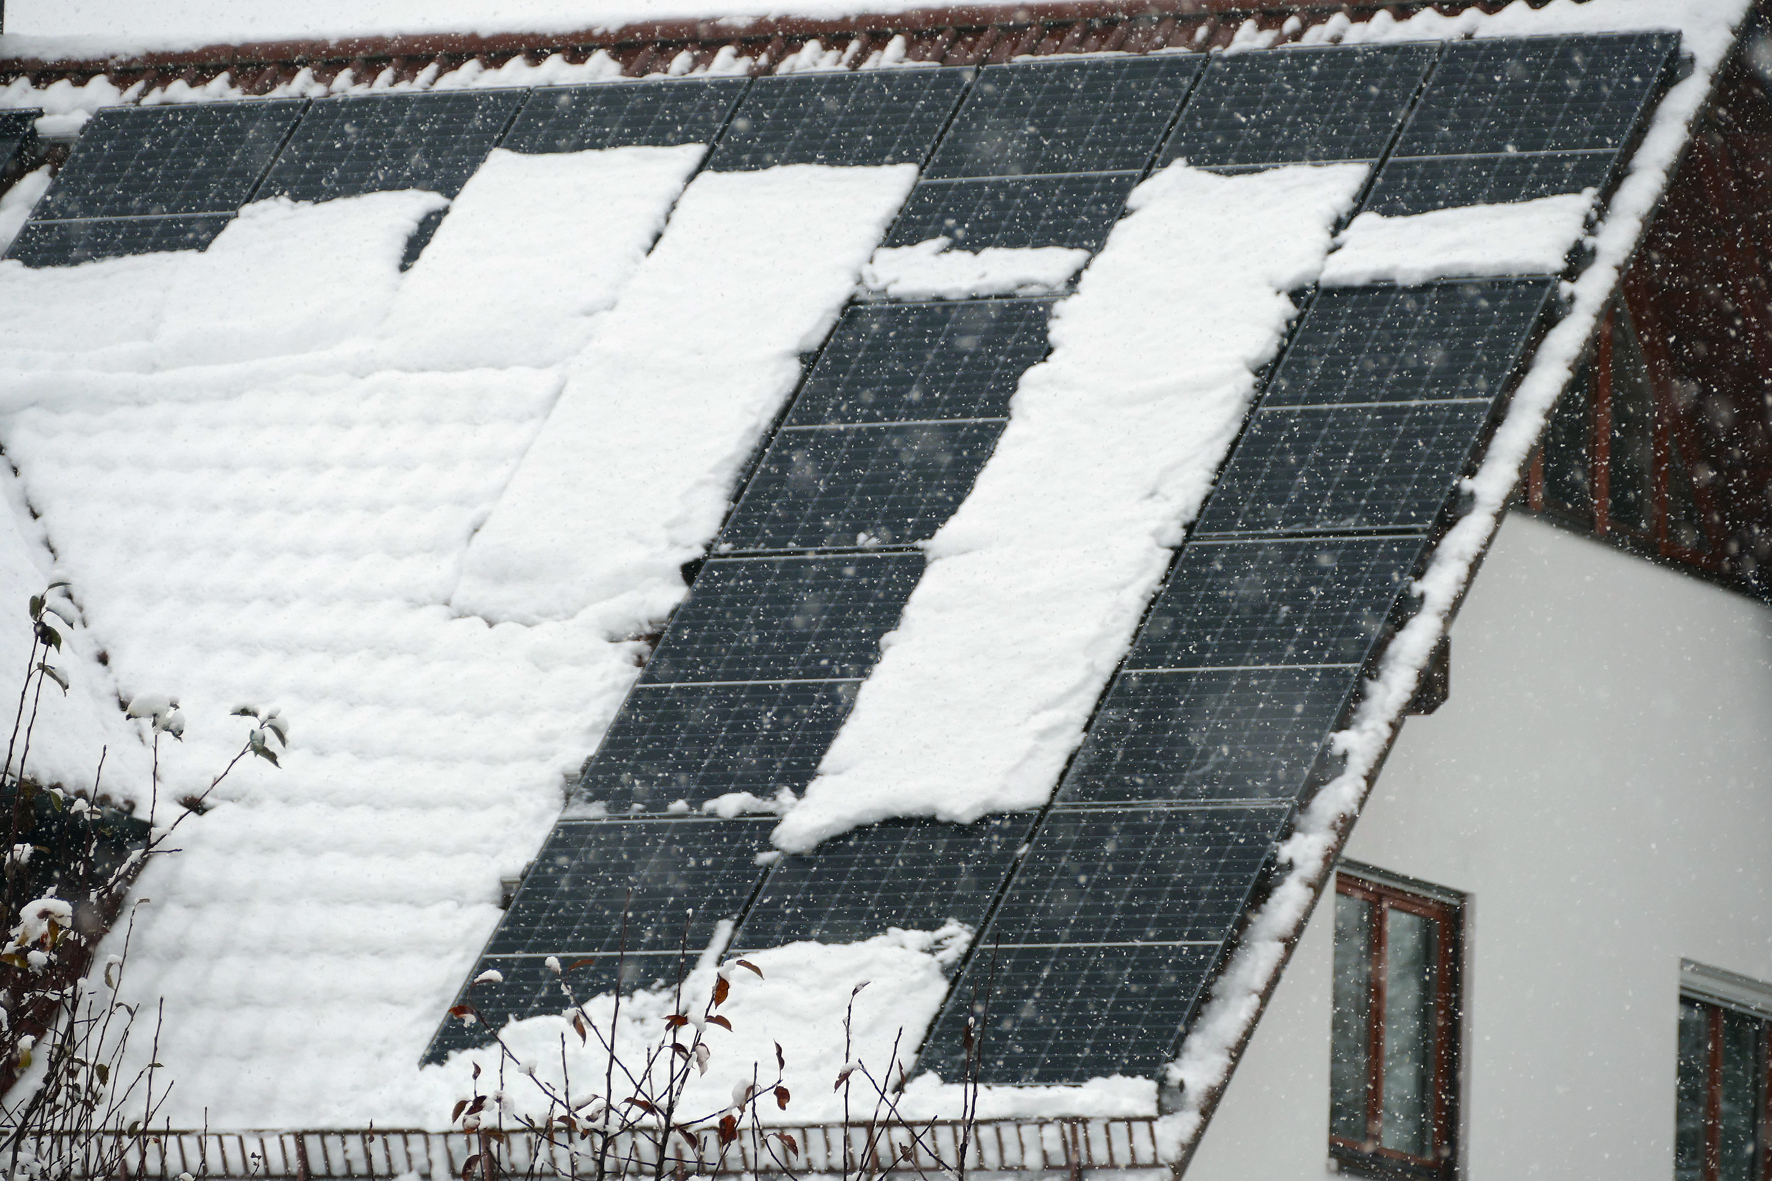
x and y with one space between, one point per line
439 509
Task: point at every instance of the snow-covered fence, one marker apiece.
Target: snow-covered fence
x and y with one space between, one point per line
1070 1146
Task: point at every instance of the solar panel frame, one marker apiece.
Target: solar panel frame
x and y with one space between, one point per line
1075 212
1538 94
602 115
785 618
846 487
896 362
694 742
169 160
1402 344
69 243
843 118
1094 115
1345 103
912 874
1345 469
1426 183
353 145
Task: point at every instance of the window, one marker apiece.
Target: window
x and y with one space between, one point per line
1393 1070
1722 1126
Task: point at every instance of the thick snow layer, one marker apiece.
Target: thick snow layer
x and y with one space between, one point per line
929 270
699 355
1524 238
1707 31
1035 584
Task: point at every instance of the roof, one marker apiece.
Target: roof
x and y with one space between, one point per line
761 488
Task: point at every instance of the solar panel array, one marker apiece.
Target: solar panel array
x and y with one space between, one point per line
18 133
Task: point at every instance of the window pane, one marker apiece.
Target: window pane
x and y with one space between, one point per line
1743 1070
1689 1105
1350 1052
1408 1033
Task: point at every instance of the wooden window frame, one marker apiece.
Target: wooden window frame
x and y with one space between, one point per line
1699 987
1368 1157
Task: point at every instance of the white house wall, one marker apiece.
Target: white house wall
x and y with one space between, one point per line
1600 783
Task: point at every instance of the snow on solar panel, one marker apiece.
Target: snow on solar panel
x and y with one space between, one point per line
1427 183
1050 117
1017 213
1299 105
623 115
65 243
844 119
344 147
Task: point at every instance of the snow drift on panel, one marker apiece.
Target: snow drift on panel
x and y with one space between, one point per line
931 270
1471 241
1035 584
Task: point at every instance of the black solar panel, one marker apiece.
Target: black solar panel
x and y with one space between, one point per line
18 131
685 874
1427 183
843 118
531 989
65 243
920 362
1551 94
695 742
1399 344
1214 734
623 115
1320 600
1071 211
1298 105
1067 116
344 147
855 486
150 161
911 874
1346 468
778 619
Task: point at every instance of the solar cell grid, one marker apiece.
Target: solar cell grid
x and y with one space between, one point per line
345 147
1424 184
685 874
695 742
153 161
18 129
1275 602
911 874
1395 344
1096 115
854 486
1550 94
1071 211
66 243
842 118
918 362
776 619
1294 105
530 989
1345 468
623 114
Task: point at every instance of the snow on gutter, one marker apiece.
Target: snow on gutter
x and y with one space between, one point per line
1210 1051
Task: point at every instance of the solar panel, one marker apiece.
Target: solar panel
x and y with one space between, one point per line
345 147
844 118
1397 344
1424 184
856 486
911 874
531 989
920 362
1235 604
152 161
1551 94
685 874
18 131
1071 211
1212 734
65 243
1295 105
695 742
1346 468
659 114
1069 116
1104 939
778 619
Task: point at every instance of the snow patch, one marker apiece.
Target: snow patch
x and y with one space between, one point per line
930 270
1472 241
18 201
1111 447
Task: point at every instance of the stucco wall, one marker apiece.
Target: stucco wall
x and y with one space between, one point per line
1600 783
